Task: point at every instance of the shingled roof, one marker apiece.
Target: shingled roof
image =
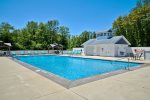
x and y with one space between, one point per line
113 40
5 44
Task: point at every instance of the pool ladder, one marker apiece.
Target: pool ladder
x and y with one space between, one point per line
126 67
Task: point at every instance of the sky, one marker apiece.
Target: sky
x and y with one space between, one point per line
78 15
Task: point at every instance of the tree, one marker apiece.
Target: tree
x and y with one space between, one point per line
51 31
141 3
39 35
135 26
77 41
5 32
64 36
146 2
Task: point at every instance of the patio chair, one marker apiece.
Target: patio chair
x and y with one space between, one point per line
139 57
133 56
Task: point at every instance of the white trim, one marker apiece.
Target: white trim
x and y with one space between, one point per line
122 37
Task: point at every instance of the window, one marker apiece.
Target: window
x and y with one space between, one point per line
121 53
104 34
98 35
102 49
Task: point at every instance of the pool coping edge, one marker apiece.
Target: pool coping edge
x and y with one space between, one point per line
69 83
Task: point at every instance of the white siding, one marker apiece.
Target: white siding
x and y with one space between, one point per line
107 50
90 50
100 50
147 55
121 49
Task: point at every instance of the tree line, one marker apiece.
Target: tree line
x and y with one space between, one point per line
36 36
136 25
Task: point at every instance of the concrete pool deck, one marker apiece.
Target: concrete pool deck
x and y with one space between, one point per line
115 58
20 83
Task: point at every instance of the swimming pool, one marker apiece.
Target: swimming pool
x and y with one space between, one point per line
73 68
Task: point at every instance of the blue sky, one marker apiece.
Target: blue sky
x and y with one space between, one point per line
78 15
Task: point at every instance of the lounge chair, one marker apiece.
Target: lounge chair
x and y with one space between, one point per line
72 52
69 52
22 52
75 52
28 52
13 53
79 52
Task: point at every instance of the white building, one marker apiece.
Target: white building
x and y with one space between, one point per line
106 44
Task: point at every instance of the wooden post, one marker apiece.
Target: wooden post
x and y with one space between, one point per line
128 63
48 49
9 50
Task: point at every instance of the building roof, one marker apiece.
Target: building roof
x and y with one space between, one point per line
2 44
88 42
55 45
104 31
113 40
52 45
8 44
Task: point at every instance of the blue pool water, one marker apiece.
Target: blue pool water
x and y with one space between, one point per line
73 68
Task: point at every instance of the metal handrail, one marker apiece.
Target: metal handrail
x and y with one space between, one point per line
121 59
